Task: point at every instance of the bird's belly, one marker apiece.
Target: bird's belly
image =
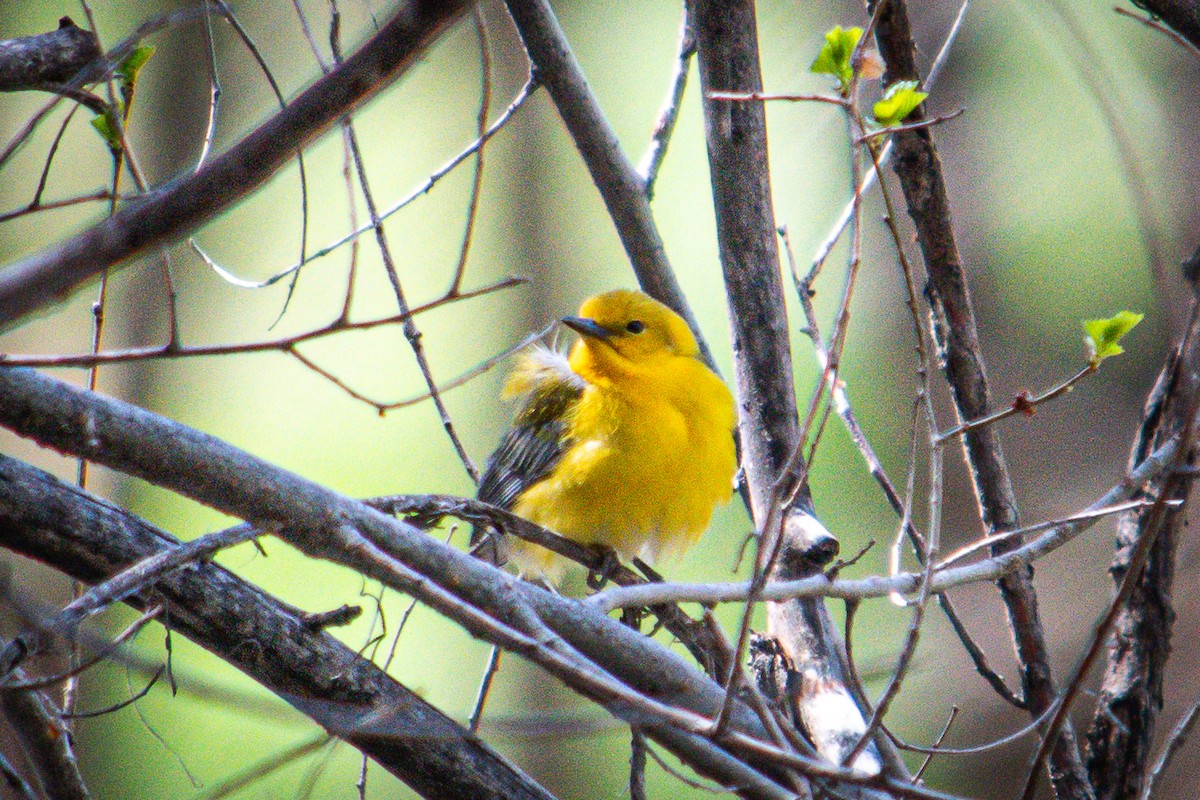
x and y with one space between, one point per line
645 489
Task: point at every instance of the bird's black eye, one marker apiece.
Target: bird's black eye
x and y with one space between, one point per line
635 326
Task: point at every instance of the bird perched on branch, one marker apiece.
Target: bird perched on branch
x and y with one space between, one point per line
627 443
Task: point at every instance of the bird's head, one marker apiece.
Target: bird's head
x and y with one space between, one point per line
622 329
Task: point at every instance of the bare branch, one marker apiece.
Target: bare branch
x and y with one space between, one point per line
656 152
1131 691
620 185
132 580
919 168
1176 740
635 678
45 741
1179 15
286 344
182 206
48 59
48 520
989 569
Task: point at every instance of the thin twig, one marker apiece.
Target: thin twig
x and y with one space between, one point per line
485 687
45 176
96 196
129 701
1091 513
352 206
257 55
908 649
831 99
214 90
1022 405
310 37
936 744
1170 747
1151 22
668 115
485 97
523 95
49 680
874 133
411 332
283 345
445 386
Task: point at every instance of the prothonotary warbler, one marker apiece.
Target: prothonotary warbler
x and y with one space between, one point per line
628 442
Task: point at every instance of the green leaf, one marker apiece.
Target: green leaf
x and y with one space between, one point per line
104 125
133 63
899 100
1103 335
834 58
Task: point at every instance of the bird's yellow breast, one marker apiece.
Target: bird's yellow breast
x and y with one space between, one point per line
651 453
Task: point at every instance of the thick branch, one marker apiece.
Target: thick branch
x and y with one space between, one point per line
38 62
88 539
635 678
736 134
182 206
919 169
1130 698
727 46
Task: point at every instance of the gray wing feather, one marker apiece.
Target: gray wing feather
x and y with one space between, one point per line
530 450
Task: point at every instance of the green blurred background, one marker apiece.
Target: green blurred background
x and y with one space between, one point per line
1073 186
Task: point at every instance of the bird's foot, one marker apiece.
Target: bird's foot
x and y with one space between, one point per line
604 569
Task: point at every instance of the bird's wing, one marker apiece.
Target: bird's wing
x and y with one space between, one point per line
538 438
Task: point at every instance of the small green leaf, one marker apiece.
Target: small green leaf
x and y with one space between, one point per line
103 123
834 58
134 62
1103 335
899 100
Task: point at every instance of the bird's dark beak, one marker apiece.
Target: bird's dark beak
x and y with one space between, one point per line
587 327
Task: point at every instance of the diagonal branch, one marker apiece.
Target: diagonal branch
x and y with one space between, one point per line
727 49
47 60
1131 691
45 519
621 187
1182 16
919 168
182 206
634 678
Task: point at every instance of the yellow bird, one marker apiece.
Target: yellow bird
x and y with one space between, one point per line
627 443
